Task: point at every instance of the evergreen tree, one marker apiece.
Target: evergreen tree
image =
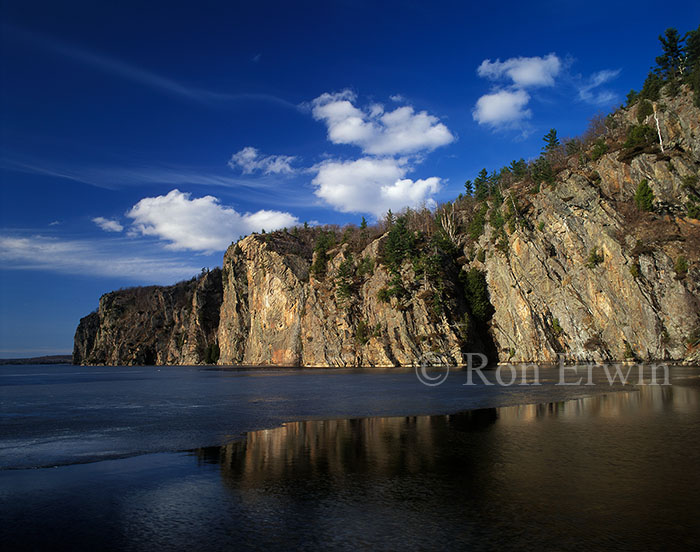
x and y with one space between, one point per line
389 218
481 185
469 187
692 48
670 61
345 279
644 198
551 142
519 168
652 87
363 224
399 244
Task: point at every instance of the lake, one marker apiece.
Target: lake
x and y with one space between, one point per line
142 458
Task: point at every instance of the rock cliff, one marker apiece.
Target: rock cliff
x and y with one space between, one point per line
153 325
567 265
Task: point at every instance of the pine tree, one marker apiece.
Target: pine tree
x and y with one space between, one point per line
363 224
670 61
644 198
551 142
389 218
519 168
481 185
469 187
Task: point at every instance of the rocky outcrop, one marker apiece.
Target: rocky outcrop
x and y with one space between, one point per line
275 312
153 325
578 271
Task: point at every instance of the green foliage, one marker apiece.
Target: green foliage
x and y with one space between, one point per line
573 146
365 332
640 135
481 185
681 266
324 242
476 225
542 171
389 218
600 148
481 256
383 295
689 182
644 110
629 353
469 187
670 61
363 224
556 327
496 219
212 353
540 225
632 97
365 267
345 279
634 270
518 169
399 245
693 209
503 245
477 295
395 289
644 197
594 258
652 87
551 142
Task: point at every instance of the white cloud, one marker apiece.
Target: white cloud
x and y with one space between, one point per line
137 74
602 97
108 225
523 71
370 185
104 258
55 223
502 108
376 131
249 160
200 224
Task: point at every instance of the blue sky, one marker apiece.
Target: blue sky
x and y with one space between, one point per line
138 139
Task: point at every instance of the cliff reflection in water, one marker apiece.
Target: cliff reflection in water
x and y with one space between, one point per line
596 470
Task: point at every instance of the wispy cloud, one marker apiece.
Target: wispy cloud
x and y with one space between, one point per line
250 160
136 74
108 225
104 258
523 71
114 177
587 90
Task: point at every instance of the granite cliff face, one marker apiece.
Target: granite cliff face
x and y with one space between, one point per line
152 325
276 312
577 269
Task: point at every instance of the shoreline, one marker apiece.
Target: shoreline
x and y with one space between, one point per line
320 418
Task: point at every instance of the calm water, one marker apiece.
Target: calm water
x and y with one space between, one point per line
579 468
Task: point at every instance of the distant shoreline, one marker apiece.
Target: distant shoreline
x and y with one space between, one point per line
48 359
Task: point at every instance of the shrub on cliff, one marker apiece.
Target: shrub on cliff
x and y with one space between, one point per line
640 135
477 294
644 197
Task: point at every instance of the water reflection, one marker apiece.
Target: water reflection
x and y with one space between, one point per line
612 471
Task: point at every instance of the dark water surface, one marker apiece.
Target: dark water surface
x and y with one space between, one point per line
581 468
